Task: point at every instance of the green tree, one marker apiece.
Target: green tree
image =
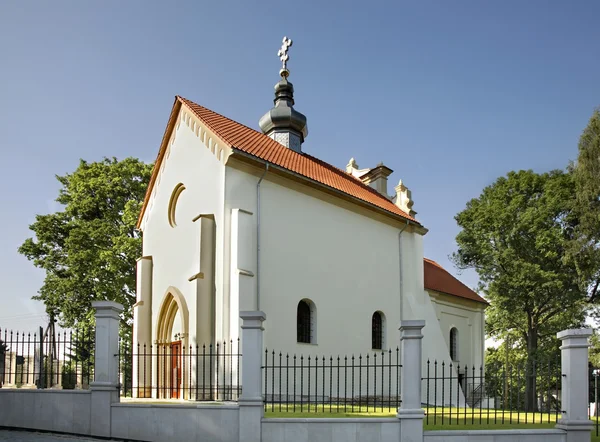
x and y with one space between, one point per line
516 235
586 171
507 371
88 250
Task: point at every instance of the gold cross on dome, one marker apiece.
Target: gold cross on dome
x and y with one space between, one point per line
283 52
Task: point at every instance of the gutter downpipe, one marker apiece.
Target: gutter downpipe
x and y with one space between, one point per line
400 269
258 237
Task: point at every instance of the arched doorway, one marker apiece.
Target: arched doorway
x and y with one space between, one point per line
172 339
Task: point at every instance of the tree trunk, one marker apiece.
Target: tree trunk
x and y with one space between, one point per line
530 371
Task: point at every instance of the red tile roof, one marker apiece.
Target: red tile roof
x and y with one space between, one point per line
249 141
438 279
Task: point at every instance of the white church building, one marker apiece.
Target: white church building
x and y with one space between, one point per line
237 219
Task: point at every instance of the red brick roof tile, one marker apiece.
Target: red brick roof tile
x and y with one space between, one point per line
438 279
250 141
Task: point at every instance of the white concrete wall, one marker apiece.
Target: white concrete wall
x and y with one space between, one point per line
67 411
175 250
155 422
539 435
330 430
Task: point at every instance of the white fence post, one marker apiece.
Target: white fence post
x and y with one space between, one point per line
105 387
575 386
251 401
410 412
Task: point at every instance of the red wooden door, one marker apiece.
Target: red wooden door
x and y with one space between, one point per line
175 370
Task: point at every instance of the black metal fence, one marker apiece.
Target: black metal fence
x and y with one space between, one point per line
594 399
176 371
335 384
46 359
498 394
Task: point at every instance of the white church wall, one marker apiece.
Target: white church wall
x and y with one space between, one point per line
417 305
345 262
467 317
175 250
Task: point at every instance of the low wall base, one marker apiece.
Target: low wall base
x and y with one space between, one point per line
540 435
185 422
63 411
330 430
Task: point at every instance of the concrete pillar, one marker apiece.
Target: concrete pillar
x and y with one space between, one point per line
251 401
105 387
411 413
574 395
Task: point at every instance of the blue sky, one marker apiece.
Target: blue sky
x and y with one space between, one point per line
450 95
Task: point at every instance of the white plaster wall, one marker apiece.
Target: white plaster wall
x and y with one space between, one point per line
175 251
155 422
468 319
347 263
67 411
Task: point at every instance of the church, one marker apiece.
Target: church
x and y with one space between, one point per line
237 219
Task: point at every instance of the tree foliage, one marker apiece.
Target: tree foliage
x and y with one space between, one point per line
586 171
88 250
516 235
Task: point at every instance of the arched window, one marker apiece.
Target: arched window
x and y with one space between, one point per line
377 323
305 322
173 203
454 344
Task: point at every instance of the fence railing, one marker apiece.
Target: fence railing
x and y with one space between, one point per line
175 371
333 384
498 394
46 359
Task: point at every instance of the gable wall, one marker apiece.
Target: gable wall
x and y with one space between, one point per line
175 251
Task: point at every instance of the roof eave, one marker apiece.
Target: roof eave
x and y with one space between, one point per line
479 301
161 153
253 159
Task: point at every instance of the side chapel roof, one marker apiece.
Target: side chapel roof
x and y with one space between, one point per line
437 278
249 141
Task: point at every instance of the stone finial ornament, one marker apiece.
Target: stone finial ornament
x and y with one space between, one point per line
404 198
351 165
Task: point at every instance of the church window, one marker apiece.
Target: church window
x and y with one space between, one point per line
173 203
305 322
454 344
377 323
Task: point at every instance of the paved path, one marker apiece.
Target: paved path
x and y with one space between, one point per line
29 436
